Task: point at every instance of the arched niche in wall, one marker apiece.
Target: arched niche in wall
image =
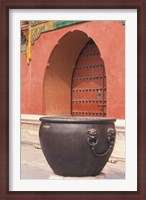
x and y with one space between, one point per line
58 74
57 88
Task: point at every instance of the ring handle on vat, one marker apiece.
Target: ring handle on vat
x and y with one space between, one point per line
93 141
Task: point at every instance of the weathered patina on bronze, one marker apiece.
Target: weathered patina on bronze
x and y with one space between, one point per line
77 146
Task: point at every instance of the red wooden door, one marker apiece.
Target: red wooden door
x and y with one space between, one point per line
89 83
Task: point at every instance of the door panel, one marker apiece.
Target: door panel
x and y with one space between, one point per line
89 83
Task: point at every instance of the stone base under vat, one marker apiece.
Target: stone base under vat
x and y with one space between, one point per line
52 175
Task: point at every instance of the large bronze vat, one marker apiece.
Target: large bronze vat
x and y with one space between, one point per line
77 146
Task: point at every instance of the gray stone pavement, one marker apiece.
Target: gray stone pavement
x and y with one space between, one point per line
35 166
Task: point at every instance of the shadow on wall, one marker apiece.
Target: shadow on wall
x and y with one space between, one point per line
58 74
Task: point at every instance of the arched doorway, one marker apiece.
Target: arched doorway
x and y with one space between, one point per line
89 83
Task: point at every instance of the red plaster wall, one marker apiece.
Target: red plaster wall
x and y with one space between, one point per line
25 85
109 37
